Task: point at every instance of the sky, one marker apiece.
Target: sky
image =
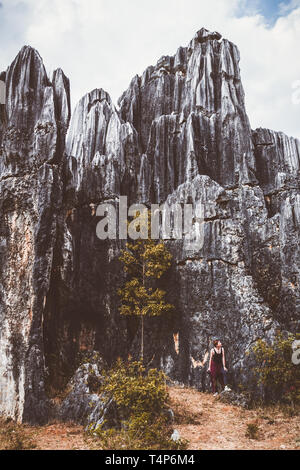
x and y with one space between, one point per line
105 43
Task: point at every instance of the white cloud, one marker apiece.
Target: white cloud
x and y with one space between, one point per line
270 66
101 43
285 8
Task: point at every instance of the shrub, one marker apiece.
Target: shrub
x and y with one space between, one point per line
276 370
140 433
252 431
140 396
134 389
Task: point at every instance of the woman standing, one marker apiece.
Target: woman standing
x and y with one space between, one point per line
217 365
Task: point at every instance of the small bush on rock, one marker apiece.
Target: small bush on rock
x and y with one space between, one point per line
140 396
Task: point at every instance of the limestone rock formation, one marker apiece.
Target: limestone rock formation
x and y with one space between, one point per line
83 404
181 135
30 199
190 116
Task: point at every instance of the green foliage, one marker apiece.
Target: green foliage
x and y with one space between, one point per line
134 389
144 262
140 434
141 396
142 301
276 370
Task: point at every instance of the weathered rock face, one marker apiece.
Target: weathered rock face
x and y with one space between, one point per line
30 198
83 404
276 266
190 116
102 150
182 135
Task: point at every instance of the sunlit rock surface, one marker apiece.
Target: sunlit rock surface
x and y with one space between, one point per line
181 135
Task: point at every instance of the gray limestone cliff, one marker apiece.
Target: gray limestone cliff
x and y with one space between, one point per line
181 135
32 135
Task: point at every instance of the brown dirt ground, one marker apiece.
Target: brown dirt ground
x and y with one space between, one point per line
209 424
60 437
200 418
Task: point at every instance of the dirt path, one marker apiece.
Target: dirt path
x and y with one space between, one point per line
60 437
200 418
211 425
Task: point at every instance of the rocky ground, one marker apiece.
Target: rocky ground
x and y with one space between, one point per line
206 422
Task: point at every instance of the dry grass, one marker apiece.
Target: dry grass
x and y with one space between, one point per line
200 418
15 436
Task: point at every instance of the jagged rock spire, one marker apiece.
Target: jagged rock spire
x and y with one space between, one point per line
182 136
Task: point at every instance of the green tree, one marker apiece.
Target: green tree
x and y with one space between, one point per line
275 368
144 262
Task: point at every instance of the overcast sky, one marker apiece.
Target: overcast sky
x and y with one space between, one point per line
104 43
